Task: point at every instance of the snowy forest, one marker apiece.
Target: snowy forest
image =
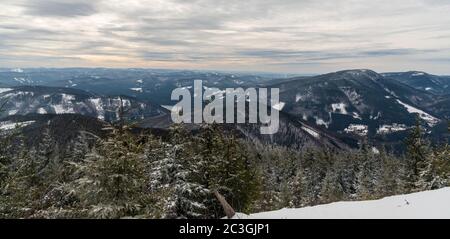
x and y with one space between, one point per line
129 174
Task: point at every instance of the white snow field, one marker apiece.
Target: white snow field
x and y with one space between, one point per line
423 205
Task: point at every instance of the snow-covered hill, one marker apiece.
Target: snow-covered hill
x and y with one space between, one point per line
25 100
422 205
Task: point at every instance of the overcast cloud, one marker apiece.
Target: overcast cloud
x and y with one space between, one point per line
295 36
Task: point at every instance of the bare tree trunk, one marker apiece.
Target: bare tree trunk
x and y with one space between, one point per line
229 211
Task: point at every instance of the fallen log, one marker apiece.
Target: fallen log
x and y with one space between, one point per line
229 211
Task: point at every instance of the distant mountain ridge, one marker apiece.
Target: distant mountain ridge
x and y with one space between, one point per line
423 81
349 106
361 103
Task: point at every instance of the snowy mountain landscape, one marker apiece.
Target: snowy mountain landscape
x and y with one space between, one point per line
344 138
348 105
275 109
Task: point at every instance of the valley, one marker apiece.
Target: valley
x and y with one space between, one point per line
352 106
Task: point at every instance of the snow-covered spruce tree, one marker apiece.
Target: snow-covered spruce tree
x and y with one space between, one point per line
441 167
225 167
30 177
60 198
6 142
435 173
271 162
113 180
11 149
5 160
24 186
7 139
174 177
332 190
298 189
74 154
391 177
368 176
317 163
418 152
286 169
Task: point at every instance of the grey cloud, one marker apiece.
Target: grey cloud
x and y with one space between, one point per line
395 52
27 58
328 55
60 8
197 23
276 53
256 33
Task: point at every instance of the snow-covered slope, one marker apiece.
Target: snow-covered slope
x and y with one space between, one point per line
52 100
426 205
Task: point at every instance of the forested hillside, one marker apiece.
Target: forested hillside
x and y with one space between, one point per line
136 174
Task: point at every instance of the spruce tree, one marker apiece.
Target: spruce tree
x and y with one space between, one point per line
418 151
391 176
174 175
225 167
112 178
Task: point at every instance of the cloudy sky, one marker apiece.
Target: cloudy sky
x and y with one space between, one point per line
295 36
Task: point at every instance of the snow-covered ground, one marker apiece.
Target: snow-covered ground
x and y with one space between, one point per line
387 129
2 90
339 108
422 205
432 121
137 89
358 129
8 125
311 132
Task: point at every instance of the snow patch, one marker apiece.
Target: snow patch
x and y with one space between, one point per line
62 109
137 89
356 116
311 132
298 97
13 112
17 70
422 205
8 125
387 129
352 95
322 122
3 90
375 150
376 116
22 80
65 106
391 92
98 105
358 129
41 111
432 121
339 108
66 98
